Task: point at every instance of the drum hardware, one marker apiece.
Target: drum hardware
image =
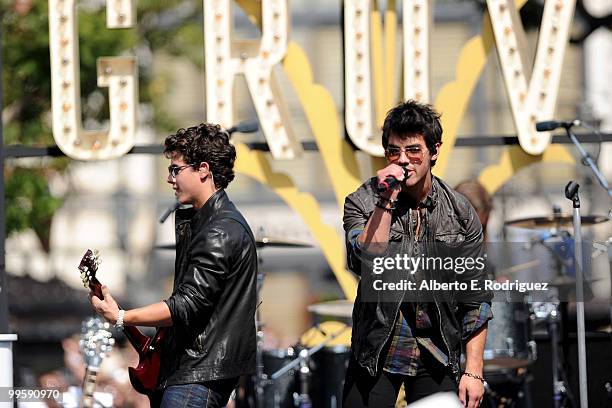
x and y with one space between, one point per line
507 389
533 350
306 354
560 387
303 399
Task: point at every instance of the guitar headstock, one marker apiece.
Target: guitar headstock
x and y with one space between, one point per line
88 268
96 341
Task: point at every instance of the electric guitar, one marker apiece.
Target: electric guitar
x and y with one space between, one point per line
95 344
145 376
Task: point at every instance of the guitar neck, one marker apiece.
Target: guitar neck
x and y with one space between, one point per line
135 336
89 385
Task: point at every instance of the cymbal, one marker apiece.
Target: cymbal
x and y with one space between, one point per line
259 243
518 268
335 308
555 221
565 281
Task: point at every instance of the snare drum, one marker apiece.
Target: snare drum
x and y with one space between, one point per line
508 343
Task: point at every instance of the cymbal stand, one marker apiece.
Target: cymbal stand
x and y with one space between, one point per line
559 386
571 192
304 398
259 374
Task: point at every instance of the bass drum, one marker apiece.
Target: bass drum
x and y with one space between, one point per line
328 369
279 393
509 344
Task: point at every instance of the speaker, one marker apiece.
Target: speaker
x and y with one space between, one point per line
599 369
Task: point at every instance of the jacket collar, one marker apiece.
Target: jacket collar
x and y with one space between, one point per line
431 200
210 207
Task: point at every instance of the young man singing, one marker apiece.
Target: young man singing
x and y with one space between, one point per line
412 337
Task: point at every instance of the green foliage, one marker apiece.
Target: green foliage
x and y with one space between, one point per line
170 26
31 205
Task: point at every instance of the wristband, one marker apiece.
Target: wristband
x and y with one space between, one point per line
119 322
387 200
384 207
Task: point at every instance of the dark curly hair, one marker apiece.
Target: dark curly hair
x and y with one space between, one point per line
208 143
413 117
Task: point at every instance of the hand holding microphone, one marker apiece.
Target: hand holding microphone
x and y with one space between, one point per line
390 177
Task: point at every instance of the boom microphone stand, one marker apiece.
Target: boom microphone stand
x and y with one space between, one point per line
587 160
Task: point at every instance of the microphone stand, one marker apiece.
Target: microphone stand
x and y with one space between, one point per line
588 160
571 193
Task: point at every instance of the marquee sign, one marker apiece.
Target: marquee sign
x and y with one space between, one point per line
119 74
535 101
369 83
361 90
255 61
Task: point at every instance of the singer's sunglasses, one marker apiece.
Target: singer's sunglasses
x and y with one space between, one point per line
413 153
174 170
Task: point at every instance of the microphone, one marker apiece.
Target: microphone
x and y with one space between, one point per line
169 211
389 183
250 126
553 124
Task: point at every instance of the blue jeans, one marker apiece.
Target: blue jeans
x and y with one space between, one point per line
211 394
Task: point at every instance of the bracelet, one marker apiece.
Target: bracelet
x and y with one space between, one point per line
474 376
119 322
384 207
387 200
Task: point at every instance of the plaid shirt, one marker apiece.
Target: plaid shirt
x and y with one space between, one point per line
404 352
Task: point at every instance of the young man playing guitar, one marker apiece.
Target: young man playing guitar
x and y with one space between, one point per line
210 338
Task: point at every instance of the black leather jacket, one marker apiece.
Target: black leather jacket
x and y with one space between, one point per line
214 298
451 220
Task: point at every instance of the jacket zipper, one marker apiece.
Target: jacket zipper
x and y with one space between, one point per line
386 339
396 310
439 312
442 332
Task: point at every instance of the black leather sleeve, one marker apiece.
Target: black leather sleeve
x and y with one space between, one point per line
196 295
474 248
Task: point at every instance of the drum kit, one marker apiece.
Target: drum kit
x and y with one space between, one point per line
510 347
309 373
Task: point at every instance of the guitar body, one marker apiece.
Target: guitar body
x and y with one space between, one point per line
145 376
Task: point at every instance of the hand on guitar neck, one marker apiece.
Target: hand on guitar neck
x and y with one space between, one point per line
104 304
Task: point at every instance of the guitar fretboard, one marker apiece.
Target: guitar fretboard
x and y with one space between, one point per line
89 385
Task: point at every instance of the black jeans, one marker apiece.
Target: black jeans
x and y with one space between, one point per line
363 390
